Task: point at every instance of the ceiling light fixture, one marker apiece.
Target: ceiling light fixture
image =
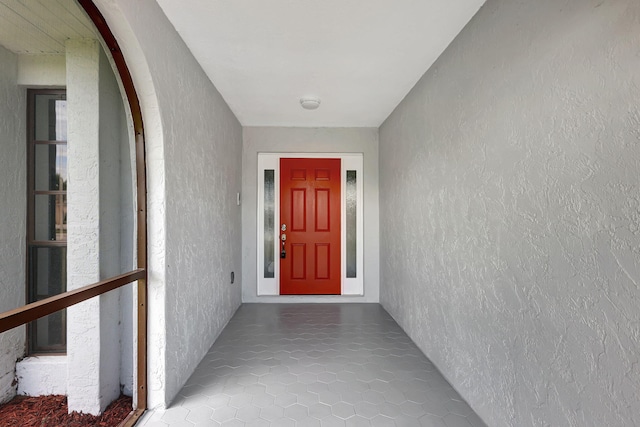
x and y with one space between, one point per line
309 102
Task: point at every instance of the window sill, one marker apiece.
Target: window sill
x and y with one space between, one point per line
42 375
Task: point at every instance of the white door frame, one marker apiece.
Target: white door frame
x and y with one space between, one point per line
349 162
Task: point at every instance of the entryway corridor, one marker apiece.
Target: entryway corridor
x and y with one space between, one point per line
315 365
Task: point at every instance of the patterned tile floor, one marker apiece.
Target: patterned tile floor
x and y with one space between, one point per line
315 365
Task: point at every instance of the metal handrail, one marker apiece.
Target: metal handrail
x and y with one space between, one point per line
27 313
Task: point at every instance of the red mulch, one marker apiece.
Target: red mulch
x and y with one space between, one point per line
51 411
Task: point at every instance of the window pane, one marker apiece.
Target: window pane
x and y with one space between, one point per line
351 192
269 222
48 277
49 333
50 117
50 217
48 271
50 167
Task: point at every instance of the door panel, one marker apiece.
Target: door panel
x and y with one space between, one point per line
298 261
310 209
298 209
323 214
323 261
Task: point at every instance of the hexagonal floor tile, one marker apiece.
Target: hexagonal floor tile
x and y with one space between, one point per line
325 365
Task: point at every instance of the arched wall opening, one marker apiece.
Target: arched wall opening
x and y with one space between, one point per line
194 172
194 220
97 107
114 22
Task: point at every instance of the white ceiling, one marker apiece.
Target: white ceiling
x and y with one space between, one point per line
359 57
37 27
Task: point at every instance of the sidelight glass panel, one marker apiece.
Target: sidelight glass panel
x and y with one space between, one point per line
351 223
50 168
269 223
50 117
50 217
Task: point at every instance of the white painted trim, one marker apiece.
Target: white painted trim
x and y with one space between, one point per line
268 286
353 286
350 161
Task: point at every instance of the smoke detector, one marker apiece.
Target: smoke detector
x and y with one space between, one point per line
309 102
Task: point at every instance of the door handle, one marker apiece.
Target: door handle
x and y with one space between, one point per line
283 238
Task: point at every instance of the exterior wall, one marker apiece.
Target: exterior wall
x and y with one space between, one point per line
310 140
13 211
127 233
115 219
83 216
510 207
47 375
99 174
115 186
194 223
42 70
42 375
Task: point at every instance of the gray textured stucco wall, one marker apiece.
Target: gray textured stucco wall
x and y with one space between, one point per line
194 176
310 140
510 212
203 171
13 212
114 180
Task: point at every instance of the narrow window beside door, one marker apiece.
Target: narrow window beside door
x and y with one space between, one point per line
351 224
47 214
269 223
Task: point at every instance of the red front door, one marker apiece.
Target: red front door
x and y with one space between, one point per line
310 217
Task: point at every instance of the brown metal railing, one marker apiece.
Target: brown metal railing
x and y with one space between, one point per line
27 313
22 315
